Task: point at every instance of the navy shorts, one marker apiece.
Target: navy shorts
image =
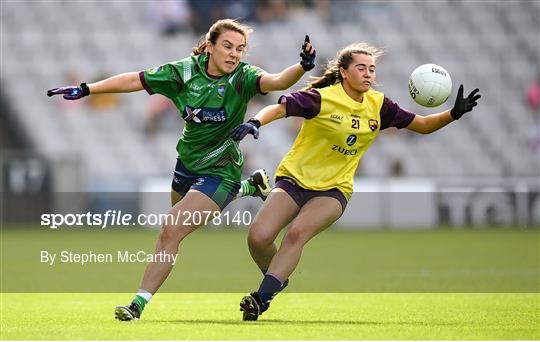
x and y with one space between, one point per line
301 196
220 190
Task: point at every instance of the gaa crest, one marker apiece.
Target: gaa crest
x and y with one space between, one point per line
221 90
373 125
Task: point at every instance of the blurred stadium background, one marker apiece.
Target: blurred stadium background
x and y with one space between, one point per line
110 149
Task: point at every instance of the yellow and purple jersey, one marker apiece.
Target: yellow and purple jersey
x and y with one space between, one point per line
336 133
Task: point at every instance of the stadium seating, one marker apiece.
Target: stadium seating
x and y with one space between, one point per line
493 46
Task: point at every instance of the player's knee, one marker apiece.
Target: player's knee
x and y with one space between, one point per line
295 236
170 235
258 237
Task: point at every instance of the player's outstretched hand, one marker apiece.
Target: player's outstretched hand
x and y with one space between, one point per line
249 127
70 93
307 55
464 105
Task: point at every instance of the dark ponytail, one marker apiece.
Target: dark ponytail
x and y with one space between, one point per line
344 58
330 77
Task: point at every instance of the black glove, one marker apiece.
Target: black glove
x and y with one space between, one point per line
307 55
71 93
464 105
249 127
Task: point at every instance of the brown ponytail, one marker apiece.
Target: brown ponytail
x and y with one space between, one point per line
343 59
330 77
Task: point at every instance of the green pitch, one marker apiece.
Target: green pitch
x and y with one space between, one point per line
292 316
438 284
212 261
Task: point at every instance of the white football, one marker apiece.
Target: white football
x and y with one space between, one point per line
430 85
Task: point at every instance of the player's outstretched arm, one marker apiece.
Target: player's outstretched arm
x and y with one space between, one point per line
123 83
263 117
289 76
431 123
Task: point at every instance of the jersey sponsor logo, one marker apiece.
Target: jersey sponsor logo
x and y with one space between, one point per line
344 151
205 115
351 140
191 114
336 117
373 125
221 90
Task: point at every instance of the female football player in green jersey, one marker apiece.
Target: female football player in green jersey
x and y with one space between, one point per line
211 89
314 181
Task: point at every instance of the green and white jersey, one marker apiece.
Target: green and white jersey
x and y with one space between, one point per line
211 107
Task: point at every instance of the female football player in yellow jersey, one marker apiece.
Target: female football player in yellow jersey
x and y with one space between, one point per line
314 181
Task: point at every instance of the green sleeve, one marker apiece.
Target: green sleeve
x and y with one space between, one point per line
249 81
164 80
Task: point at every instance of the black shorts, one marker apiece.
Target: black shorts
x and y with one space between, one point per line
301 196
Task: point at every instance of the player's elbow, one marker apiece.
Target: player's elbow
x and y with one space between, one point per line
274 82
420 125
424 130
135 83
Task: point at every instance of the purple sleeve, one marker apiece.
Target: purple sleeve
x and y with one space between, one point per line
306 104
394 116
